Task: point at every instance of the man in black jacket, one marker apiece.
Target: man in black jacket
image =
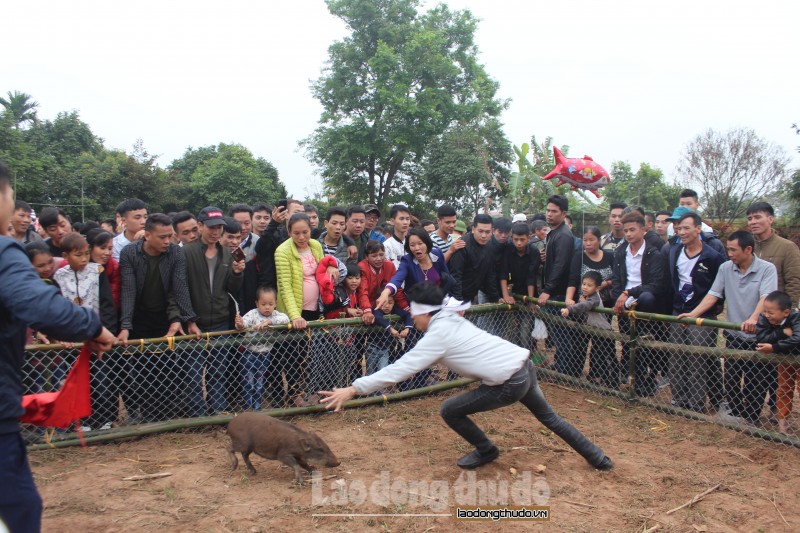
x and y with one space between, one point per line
557 256
692 266
473 266
155 302
638 278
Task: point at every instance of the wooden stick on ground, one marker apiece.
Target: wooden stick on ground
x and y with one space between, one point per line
577 503
147 476
654 528
775 505
696 499
740 455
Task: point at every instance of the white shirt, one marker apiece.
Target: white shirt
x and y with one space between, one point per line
685 266
633 263
394 250
461 346
120 242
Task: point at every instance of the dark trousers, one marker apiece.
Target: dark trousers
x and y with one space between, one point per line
647 359
562 338
20 503
288 360
603 363
747 382
521 387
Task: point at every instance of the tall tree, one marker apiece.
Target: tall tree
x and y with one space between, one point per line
465 167
390 88
733 169
223 175
19 107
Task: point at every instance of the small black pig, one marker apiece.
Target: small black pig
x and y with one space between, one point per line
275 439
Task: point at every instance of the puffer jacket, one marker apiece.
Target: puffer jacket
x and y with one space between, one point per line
289 272
773 334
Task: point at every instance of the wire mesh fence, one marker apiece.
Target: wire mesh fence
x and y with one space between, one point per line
705 370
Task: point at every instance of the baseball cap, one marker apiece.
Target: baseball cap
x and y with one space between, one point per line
678 213
369 208
519 217
461 226
211 216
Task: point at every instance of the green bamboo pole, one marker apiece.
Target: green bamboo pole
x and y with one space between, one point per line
150 428
206 337
707 322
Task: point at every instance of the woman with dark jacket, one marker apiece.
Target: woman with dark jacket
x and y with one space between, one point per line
422 262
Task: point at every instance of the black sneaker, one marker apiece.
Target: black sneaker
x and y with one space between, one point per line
474 459
606 464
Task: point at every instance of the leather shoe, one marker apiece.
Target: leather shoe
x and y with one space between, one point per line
475 458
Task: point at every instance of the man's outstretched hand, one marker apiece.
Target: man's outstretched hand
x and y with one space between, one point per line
335 398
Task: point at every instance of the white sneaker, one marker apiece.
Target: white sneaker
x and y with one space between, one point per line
86 428
107 425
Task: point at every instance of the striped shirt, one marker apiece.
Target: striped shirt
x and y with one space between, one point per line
440 243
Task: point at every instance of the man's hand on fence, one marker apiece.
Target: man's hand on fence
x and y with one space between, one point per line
194 330
507 299
543 298
749 325
123 336
335 398
174 328
619 305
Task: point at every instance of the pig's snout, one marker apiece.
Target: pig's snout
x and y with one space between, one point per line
333 461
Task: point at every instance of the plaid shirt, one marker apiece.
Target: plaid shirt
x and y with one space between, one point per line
133 267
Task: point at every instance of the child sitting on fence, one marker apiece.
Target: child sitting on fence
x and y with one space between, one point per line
255 357
85 283
379 343
603 365
778 331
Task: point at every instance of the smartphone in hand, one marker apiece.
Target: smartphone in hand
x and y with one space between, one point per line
238 254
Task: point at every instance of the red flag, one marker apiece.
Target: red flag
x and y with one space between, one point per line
59 409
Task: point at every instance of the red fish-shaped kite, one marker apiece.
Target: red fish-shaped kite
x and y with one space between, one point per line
579 173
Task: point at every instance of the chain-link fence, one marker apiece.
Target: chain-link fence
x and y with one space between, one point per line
705 370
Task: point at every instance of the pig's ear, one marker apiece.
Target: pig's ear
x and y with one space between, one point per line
305 444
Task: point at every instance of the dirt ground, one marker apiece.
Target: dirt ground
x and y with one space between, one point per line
661 462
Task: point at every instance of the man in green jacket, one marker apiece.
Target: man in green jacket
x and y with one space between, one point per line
212 273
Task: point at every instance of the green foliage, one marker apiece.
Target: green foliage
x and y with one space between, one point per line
19 108
390 89
527 190
62 162
224 175
465 167
646 188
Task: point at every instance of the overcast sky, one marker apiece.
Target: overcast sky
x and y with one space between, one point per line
632 81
